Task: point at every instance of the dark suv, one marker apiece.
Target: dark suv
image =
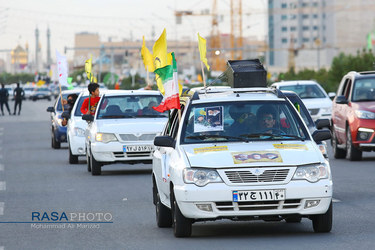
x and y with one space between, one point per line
353 116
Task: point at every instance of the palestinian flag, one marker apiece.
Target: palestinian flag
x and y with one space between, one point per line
168 75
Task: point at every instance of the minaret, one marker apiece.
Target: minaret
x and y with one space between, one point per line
49 61
37 49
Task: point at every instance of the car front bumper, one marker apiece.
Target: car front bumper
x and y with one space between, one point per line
220 197
114 152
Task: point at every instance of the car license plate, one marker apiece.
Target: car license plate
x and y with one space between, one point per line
138 148
259 195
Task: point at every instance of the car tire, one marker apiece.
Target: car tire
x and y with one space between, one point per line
88 161
49 98
322 223
338 153
163 213
73 159
352 153
55 144
182 226
96 167
293 219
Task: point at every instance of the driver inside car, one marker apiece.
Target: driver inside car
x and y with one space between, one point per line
266 116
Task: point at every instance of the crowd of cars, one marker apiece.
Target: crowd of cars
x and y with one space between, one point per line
219 157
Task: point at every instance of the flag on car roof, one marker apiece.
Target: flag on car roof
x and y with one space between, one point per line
203 50
168 75
159 52
147 58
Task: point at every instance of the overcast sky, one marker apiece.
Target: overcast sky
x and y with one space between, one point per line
119 19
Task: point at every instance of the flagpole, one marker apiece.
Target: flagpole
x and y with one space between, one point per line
61 99
148 77
204 79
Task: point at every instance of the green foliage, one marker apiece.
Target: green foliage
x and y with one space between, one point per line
7 78
341 65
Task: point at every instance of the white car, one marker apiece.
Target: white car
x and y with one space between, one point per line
123 128
240 154
313 96
76 130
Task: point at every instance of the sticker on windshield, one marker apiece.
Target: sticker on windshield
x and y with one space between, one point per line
256 156
290 146
208 119
210 149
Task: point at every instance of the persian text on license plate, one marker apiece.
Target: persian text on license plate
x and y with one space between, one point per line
259 195
138 148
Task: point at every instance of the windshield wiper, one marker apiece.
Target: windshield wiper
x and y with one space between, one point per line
202 137
292 136
257 135
151 116
365 100
116 116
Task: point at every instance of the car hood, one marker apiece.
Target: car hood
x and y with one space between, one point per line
366 106
268 153
131 125
312 103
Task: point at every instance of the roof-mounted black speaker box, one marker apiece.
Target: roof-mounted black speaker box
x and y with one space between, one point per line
246 73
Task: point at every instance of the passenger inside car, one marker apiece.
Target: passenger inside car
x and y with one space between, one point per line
267 117
244 121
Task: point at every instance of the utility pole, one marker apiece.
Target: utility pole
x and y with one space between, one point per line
37 49
49 60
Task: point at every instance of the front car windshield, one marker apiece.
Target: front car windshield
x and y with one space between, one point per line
364 90
242 121
130 106
307 91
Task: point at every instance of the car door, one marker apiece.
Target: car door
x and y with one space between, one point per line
163 156
340 111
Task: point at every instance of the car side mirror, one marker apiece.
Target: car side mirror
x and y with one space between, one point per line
341 99
331 95
321 123
50 109
65 115
88 118
164 141
321 135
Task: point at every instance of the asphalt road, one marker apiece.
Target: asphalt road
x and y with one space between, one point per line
36 178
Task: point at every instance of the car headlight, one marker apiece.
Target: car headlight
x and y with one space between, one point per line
326 110
105 137
79 132
201 177
365 114
312 173
59 121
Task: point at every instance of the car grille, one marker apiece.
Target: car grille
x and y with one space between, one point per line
131 154
142 137
276 175
257 205
314 111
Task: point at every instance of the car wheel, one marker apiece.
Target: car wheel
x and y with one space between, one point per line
55 144
352 153
49 98
73 159
338 153
322 223
96 167
163 213
88 161
181 224
293 219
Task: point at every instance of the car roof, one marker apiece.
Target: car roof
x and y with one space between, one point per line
295 82
214 94
130 92
72 91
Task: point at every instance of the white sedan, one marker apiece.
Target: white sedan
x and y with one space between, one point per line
123 128
313 96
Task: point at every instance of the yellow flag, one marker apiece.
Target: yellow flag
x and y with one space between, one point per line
93 79
202 50
88 68
169 58
147 58
159 52
40 83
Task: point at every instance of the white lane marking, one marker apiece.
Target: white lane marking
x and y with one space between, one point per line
335 200
1 209
2 185
1 167
125 199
